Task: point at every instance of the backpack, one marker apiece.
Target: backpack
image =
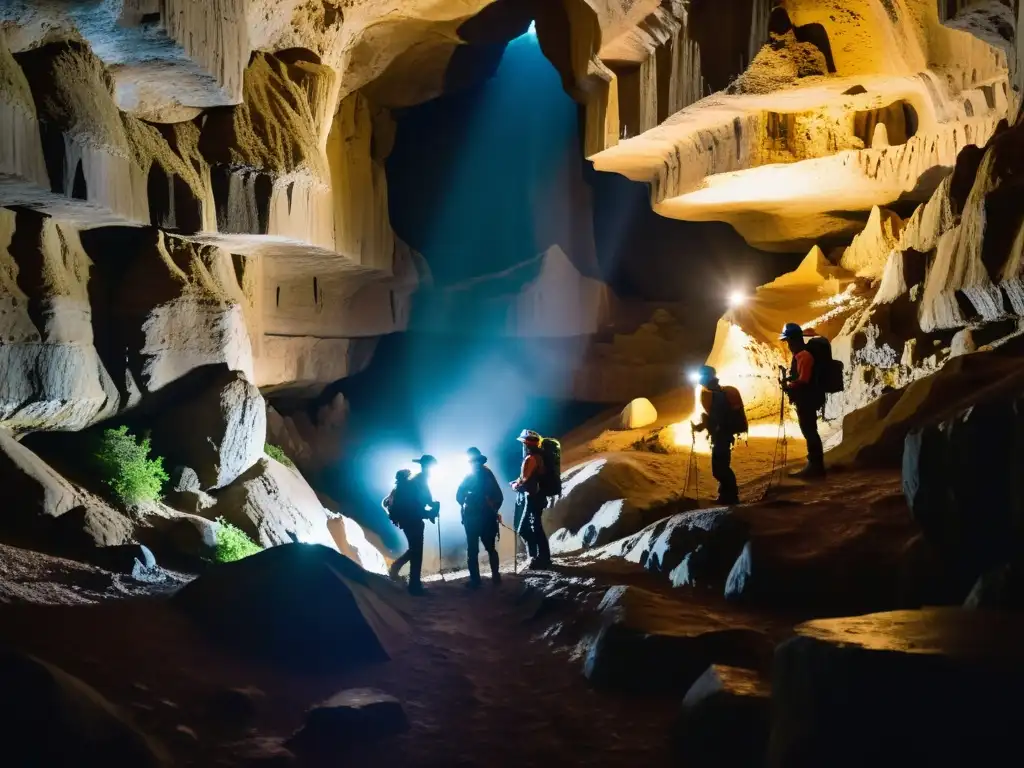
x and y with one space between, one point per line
827 376
736 422
551 477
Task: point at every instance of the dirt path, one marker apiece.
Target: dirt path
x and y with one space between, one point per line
479 688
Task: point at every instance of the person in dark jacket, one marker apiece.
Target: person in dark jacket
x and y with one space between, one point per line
412 503
479 496
807 397
532 499
716 421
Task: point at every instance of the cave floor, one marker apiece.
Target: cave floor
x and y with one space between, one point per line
479 682
477 685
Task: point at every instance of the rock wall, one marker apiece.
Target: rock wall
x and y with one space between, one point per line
851 105
902 300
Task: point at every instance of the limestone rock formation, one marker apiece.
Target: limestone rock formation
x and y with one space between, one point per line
793 143
603 500
50 373
274 505
219 432
46 511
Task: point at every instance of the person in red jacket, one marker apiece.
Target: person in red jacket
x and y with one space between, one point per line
807 397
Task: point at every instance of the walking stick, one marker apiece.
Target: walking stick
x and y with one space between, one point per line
440 566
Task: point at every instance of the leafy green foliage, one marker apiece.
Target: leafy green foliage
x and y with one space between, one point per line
126 468
232 543
277 454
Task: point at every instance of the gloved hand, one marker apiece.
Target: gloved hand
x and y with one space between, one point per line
698 427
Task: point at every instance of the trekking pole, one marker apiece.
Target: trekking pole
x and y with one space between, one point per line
440 565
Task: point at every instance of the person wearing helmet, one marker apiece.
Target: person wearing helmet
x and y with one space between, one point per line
717 421
480 497
532 500
807 398
412 503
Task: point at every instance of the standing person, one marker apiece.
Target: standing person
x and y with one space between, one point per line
411 504
528 486
480 498
807 397
723 418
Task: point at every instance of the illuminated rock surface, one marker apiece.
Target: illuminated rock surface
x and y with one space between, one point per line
849 106
725 718
284 193
886 665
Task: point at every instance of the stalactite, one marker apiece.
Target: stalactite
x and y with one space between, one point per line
215 34
21 154
760 11
302 209
112 182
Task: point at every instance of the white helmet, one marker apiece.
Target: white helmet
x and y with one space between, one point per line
528 436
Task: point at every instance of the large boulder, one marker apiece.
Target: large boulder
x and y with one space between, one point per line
177 536
962 479
725 719
650 643
822 558
929 687
48 717
353 715
44 510
274 505
638 413
603 500
691 549
350 539
299 605
219 430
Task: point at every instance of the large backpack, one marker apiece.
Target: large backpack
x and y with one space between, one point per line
551 477
736 422
828 372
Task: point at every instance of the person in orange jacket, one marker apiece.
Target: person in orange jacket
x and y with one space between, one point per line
533 500
807 397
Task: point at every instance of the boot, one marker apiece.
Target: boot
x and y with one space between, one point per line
810 472
393 571
728 498
473 584
417 590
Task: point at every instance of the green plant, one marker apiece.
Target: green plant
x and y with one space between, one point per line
125 467
277 454
233 543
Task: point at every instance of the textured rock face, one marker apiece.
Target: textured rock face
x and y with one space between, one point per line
882 663
219 432
274 505
850 105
